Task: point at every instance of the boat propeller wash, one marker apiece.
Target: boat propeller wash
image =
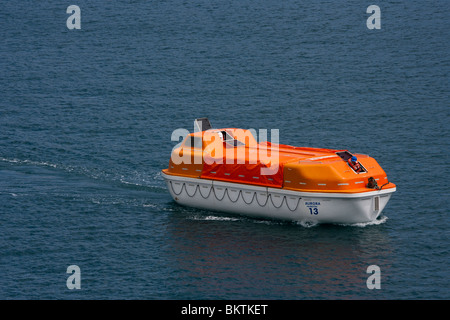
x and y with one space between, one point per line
227 170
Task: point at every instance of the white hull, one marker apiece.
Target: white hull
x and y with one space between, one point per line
272 203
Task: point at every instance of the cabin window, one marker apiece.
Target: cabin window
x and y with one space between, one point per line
345 155
226 137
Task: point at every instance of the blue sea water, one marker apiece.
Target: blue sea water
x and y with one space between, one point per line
86 118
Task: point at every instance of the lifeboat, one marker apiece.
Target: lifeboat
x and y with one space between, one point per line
227 170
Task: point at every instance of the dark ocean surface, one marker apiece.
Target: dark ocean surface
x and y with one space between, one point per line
86 118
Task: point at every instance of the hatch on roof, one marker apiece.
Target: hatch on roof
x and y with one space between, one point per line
202 124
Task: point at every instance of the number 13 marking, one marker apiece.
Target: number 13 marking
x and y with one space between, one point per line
313 211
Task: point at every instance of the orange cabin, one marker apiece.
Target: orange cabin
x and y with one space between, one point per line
233 155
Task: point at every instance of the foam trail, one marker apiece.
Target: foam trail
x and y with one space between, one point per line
307 224
375 222
213 218
35 163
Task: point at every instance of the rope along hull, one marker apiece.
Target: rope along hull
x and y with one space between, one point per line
274 203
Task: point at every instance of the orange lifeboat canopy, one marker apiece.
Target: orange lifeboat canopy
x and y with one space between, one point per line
234 155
